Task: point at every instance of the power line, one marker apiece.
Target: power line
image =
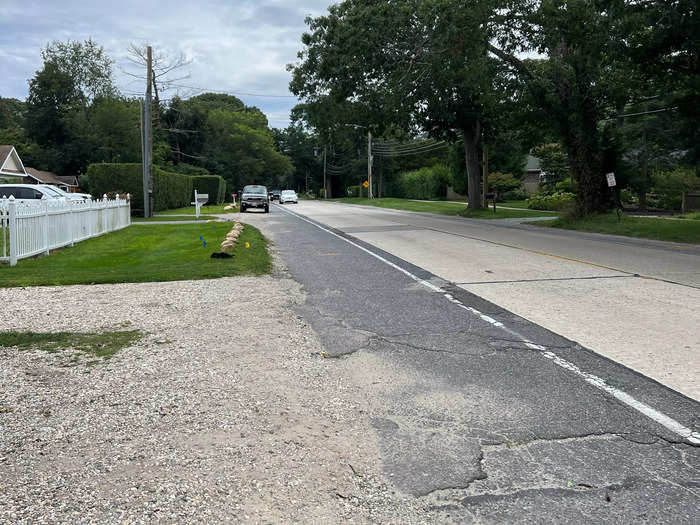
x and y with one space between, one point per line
238 93
415 151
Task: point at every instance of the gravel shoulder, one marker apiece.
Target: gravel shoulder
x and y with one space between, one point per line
226 411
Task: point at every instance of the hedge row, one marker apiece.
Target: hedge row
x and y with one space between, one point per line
213 185
170 190
425 183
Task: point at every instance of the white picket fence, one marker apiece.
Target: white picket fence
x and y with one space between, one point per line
33 228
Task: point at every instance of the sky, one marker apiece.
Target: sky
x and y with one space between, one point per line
236 46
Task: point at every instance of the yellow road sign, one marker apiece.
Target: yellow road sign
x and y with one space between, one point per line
365 184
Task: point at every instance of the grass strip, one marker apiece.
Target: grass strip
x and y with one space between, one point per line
104 344
642 227
214 209
144 253
173 218
443 208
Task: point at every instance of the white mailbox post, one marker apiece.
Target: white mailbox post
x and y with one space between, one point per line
200 199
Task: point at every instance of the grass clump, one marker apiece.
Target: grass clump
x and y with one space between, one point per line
642 227
104 344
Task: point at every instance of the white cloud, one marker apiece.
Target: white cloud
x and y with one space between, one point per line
238 45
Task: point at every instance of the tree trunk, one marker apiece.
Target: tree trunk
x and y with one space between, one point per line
471 159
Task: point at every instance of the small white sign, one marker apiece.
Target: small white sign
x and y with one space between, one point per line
611 179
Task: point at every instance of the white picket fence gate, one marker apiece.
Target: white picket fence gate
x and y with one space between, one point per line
32 228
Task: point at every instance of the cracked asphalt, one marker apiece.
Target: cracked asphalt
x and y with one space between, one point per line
474 422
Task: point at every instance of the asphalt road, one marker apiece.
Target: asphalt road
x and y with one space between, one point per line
634 301
482 413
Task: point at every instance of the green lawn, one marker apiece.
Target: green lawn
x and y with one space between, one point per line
144 253
204 210
442 207
173 218
645 227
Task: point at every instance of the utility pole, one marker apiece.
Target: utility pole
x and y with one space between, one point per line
370 195
148 140
325 185
485 175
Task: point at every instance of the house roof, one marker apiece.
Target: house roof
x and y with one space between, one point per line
44 177
68 180
7 154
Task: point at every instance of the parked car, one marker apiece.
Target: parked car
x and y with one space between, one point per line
29 192
289 196
80 197
255 197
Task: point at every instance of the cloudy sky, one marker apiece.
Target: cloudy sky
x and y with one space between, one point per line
237 46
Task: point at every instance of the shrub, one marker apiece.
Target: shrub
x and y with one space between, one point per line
670 185
425 183
515 195
627 197
117 178
353 191
170 190
555 202
213 185
564 185
500 183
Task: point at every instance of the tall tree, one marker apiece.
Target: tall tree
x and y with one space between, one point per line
86 63
423 58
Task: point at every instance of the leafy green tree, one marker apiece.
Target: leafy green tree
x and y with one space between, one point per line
86 63
423 59
239 147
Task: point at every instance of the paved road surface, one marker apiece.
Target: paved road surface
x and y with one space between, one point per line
487 415
579 285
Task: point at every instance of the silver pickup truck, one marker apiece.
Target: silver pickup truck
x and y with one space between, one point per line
255 197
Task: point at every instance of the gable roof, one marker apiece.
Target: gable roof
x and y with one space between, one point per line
8 155
44 177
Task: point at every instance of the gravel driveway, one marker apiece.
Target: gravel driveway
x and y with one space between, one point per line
226 411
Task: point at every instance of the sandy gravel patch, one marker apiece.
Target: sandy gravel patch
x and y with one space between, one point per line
226 411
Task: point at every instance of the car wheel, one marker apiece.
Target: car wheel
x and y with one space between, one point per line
267 209
242 209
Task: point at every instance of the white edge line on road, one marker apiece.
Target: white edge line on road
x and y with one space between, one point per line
653 414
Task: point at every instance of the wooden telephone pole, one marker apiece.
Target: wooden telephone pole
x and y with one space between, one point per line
148 139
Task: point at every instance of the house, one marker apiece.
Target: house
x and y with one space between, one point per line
533 175
11 167
66 183
10 163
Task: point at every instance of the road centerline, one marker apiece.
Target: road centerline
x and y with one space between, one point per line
662 419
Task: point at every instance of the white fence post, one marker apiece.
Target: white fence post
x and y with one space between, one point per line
46 226
36 227
12 226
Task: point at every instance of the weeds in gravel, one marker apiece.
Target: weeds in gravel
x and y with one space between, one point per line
104 344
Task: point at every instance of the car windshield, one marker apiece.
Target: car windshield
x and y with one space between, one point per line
260 190
288 192
52 191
